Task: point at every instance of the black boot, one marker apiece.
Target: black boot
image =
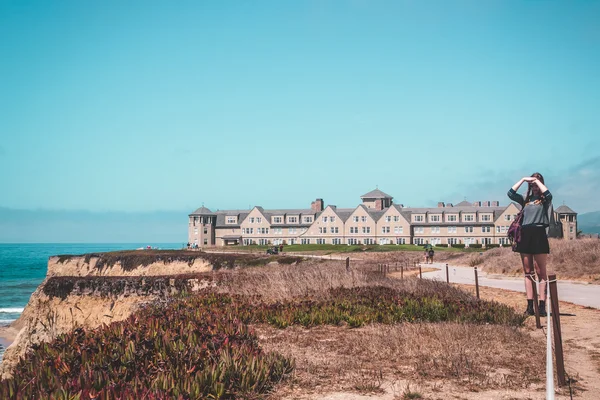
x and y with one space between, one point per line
529 310
542 306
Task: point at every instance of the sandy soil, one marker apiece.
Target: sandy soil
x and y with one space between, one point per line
354 378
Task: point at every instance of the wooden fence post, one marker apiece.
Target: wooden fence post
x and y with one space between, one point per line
401 271
558 349
347 263
447 275
476 283
420 272
538 324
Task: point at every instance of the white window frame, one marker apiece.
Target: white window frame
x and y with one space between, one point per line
435 229
277 220
452 218
435 218
418 218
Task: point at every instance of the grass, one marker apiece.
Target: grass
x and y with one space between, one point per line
569 259
344 248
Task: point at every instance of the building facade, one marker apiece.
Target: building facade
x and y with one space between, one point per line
377 220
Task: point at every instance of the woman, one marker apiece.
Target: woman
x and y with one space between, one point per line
533 245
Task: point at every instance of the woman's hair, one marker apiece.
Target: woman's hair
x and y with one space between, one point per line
530 188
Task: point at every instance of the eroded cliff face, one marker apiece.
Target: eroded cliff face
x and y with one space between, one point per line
91 290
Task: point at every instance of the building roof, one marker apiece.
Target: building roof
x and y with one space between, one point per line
564 210
463 203
203 211
376 194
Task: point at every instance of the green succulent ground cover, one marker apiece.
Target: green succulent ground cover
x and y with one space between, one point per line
200 346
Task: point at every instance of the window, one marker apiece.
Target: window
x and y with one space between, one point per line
497 229
352 241
205 231
434 218
334 229
305 241
336 241
418 218
571 229
419 241
262 242
320 241
251 220
195 231
486 218
293 220
324 219
308 220
486 229
332 219
451 229
388 218
435 229
507 217
277 220
383 241
231 220
452 218
355 218
435 241
258 220
398 229
366 229
277 231
385 229
363 218
419 230
452 241
205 242
468 229
369 241
468 217
396 218
400 241
291 231
322 229
354 229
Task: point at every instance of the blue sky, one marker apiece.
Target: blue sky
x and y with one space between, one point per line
144 106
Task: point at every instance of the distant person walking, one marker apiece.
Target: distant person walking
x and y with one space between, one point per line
533 244
431 253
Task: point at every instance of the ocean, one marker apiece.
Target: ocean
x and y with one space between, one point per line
23 267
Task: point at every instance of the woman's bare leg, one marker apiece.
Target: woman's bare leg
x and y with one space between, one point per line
527 260
541 261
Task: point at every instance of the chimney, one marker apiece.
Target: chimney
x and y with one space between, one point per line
495 203
441 204
400 205
379 204
449 205
476 204
317 205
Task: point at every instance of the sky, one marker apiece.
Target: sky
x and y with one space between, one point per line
144 106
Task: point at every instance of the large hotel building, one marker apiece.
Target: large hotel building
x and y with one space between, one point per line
377 220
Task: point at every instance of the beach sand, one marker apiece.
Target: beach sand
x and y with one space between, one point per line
7 335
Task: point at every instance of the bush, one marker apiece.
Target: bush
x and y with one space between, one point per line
441 245
491 246
458 245
475 246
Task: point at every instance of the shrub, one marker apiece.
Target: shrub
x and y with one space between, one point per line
492 245
458 245
476 246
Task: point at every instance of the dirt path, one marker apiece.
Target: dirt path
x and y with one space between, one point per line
581 339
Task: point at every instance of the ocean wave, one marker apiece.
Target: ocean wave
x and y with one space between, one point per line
11 310
6 321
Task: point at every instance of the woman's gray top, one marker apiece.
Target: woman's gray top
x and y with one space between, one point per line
534 214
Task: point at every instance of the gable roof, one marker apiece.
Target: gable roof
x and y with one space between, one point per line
564 209
463 203
375 194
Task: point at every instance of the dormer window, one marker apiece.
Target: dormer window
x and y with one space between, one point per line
469 217
231 220
308 220
434 218
452 218
293 220
277 220
486 217
418 218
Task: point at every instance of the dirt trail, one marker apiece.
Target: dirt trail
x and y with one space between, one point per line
580 328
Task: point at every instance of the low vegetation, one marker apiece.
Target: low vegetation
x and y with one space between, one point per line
130 260
569 259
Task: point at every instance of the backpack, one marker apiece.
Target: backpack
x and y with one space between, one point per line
431 253
514 230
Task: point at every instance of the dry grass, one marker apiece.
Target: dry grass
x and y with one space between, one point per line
573 259
343 359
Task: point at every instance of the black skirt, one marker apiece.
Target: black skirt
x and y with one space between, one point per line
533 241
